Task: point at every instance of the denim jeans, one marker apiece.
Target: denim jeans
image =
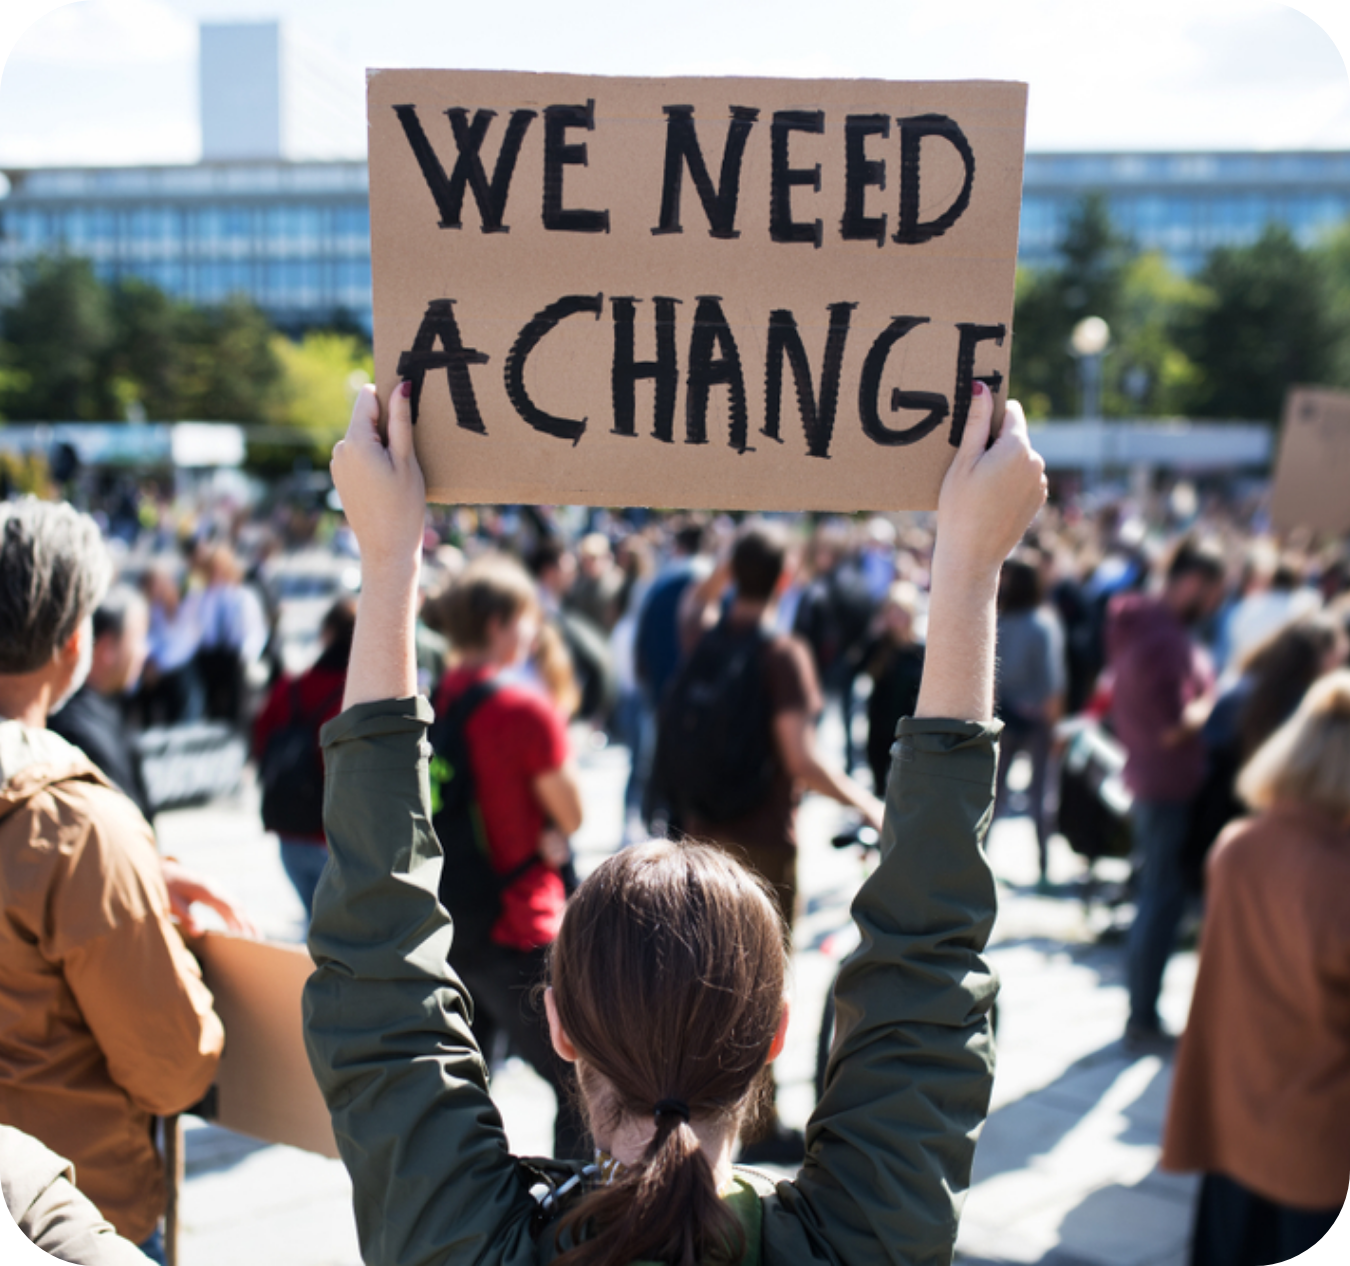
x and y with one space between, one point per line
304 861
1160 828
153 1248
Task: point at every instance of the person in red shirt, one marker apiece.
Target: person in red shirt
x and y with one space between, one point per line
316 697
528 797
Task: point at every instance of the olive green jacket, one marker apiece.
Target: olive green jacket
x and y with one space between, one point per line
888 1148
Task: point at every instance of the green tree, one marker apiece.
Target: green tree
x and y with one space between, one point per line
1266 322
58 333
1149 375
1089 280
321 374
230 368
1333 259
146 363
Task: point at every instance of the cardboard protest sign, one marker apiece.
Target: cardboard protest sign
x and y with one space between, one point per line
716 293
265 1087
1312 471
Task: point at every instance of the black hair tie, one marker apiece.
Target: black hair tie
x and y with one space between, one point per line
672 1107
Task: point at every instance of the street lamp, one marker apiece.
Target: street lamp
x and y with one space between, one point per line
1089 341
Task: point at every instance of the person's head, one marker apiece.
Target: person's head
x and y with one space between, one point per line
54 570
594 555
335 633
666 991
690 536
1195 580
553 566
757 560
1282 667
899 610
1021 587
223 567
120 626
491 609
1307 760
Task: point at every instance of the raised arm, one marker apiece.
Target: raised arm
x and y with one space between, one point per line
386 1021
890 1145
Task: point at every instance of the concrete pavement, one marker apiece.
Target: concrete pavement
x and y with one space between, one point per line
1066 1171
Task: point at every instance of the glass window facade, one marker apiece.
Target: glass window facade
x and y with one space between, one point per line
295 237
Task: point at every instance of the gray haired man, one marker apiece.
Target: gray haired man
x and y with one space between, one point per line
104 1019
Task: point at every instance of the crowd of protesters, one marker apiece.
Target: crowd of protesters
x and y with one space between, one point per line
1193 641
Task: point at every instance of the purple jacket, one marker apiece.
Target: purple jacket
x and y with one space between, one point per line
1157 671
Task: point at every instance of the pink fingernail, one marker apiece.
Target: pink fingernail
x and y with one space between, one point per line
405 388
977 388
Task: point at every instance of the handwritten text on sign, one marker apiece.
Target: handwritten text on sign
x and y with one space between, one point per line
729 293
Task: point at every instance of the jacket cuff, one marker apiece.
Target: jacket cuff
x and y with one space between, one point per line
372 720
946 748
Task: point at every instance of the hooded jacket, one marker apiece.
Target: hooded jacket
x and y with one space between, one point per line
104 1019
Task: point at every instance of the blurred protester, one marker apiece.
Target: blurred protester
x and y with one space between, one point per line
94 718
894 662
104 1020
834 614
40 1193
171 689
290 760
526 790
599 583
736 744
1274 593
1031 685
1261 1095
657 647
234 635
554 570
629 721
1273 680
1160 700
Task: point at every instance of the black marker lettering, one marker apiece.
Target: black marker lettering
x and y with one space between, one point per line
439 323
448 191
490 195
860 174
557 155
971 335
912 132
664 370
782 227
526 341
682 148
869 391
711 330
784 340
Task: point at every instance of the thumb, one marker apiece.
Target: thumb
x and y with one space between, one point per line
400 422
975 439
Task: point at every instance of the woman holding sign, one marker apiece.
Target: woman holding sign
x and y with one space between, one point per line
667 976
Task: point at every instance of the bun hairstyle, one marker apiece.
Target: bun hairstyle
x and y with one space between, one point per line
667 975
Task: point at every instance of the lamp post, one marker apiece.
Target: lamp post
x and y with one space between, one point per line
1089 341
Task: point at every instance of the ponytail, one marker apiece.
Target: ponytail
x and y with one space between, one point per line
665 1208
667 974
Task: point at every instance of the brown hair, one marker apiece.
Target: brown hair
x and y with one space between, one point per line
1281 668
668 979
757 559
1307 760
493 587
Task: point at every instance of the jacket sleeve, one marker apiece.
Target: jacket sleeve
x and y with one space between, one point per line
890 1145
387 1021
41 1196
138 988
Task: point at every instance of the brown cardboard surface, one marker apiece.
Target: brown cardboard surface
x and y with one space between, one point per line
265 1086
1312 471
617 170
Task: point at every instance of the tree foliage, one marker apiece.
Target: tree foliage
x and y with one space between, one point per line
1225 344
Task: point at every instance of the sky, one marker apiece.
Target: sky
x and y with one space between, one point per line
107 82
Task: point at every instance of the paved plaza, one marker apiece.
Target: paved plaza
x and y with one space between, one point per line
1066 1172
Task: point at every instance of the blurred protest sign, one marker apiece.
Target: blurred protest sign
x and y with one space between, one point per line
731 293
265 1087
1312 471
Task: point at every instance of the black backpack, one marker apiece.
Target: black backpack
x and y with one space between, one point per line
470 888
715 753
291 771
